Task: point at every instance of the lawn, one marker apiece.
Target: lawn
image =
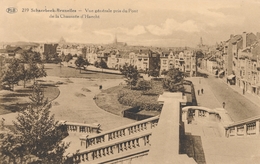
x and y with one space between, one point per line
68 72
15 101
12 101
109 99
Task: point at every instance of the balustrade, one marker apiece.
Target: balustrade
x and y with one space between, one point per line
201 113
112 149
80 127
251 128
191 113
240 130
244 128
131 129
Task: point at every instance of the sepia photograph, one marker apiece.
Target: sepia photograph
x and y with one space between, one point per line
129 82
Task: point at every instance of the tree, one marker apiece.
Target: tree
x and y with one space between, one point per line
36 71
174 81
103 64
37 96
198 56
68 57
58 60
30 56
11 74
31 70
96 64
154 73
131 74
62 57
80 62
37 135
25 73
31 66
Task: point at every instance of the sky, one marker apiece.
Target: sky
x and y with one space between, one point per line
167 23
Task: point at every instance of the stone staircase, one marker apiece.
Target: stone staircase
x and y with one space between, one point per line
206 142
120 144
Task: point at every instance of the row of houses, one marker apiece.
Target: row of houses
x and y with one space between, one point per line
11 52
146 59
143 58
238 60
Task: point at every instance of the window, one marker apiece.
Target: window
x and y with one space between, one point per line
164 61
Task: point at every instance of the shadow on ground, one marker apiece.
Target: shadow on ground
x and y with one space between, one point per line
19 99
192 146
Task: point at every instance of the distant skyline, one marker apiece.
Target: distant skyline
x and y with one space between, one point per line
167 23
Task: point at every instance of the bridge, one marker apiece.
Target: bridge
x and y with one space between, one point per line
181 134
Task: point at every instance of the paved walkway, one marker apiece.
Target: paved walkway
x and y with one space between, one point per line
253 98
76 104
206 139
208 99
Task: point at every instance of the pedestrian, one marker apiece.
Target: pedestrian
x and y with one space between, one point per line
223 104
100 87
198 92
201 90
243 91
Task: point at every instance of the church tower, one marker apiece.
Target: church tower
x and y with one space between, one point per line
115 40
62 41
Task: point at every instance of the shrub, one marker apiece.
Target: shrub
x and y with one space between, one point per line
135 98
143 85
164 72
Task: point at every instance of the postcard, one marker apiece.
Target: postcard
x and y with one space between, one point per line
129 81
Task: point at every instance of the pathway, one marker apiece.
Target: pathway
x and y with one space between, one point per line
76 104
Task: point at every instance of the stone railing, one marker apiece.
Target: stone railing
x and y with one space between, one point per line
73 127
117 133
116 150
166 137
193 113
247 127
139 139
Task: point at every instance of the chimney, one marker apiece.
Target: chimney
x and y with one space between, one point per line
244 40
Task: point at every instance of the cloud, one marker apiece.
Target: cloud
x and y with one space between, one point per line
68 25
137 30
101 32
170 26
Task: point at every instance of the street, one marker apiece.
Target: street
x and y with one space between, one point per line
237 106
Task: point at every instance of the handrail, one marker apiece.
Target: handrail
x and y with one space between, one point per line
245 121
81 127
250 126
120 132
191 113
199 108
128 125
128 146
79 124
